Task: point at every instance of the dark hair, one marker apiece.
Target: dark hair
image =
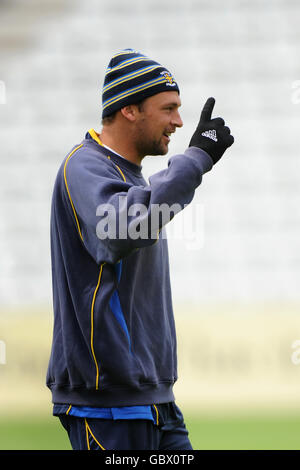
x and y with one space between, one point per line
110 119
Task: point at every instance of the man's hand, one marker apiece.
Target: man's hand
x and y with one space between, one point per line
211 135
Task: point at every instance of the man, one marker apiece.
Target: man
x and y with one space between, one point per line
113 361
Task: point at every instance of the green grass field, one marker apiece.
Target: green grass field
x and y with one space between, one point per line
208 433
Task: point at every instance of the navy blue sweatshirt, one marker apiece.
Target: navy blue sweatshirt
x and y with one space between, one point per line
114 339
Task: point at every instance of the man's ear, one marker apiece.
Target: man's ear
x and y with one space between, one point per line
130 112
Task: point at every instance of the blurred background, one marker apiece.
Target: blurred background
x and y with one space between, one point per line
236 290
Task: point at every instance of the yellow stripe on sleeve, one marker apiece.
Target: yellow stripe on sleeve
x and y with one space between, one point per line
118 168
92 326
121 172
67 187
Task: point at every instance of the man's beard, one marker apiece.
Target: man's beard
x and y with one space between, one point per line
151 147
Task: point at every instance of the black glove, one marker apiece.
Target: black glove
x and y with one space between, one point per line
211 135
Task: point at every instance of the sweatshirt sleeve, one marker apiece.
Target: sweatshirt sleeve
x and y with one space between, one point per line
115 217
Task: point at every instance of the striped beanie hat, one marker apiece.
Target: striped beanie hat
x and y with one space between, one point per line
130 78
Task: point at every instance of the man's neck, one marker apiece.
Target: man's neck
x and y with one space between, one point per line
120 146
112 150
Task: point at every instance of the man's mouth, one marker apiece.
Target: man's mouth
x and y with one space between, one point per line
167 135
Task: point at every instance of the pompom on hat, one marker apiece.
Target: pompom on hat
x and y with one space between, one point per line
130 78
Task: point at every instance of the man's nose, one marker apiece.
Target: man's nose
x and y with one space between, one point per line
177 121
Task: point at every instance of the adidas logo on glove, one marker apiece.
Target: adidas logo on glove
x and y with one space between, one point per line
211 135
206 138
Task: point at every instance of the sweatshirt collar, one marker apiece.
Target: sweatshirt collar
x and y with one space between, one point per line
94 137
